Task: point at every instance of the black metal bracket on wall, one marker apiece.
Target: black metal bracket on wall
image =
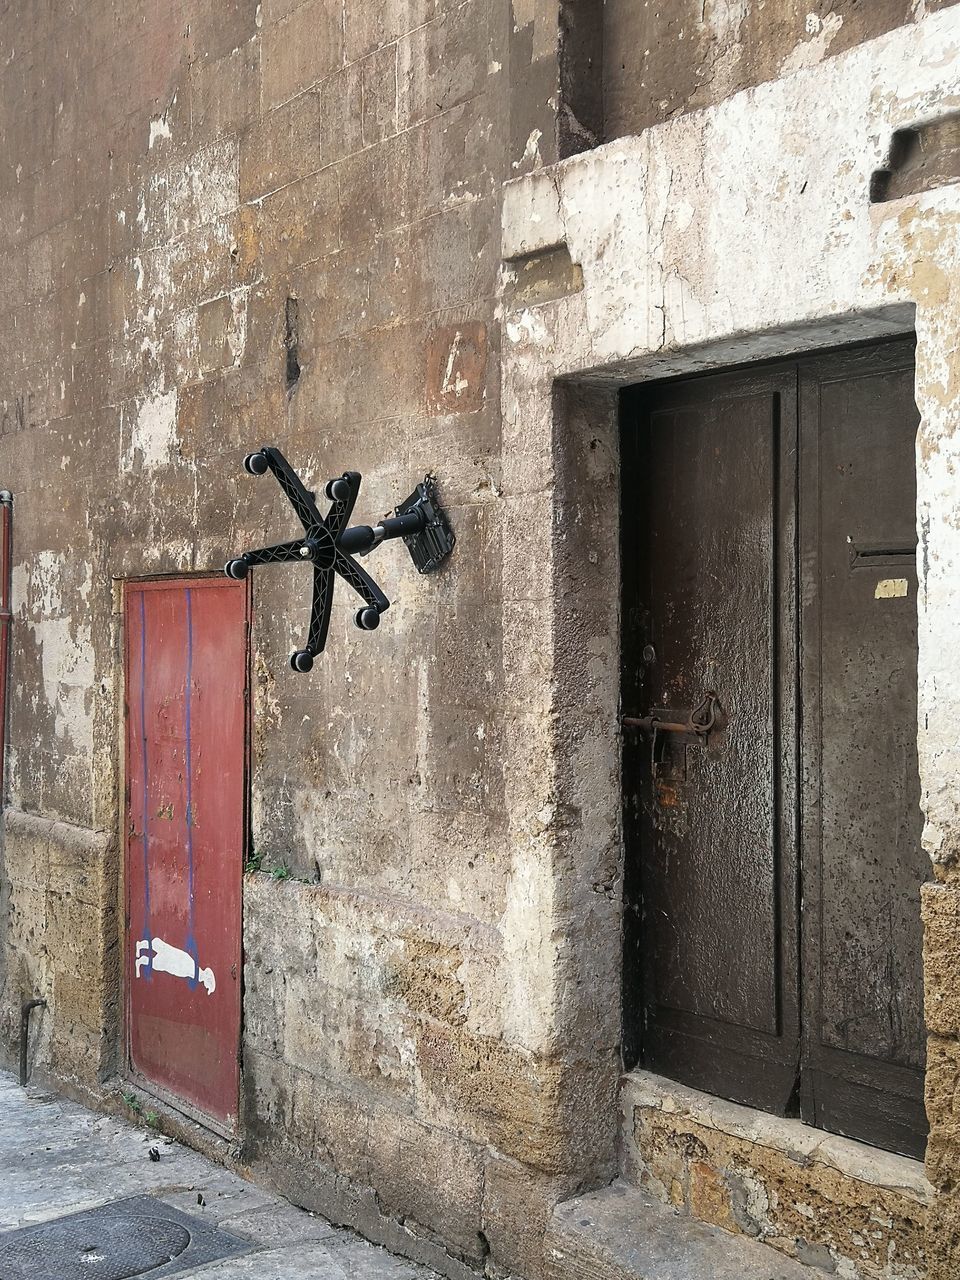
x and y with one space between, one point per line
329 545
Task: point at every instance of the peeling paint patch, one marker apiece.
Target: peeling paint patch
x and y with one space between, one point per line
153 433
822 33
526 327
159 129
68 675
456 366
531 152
39 586
527 949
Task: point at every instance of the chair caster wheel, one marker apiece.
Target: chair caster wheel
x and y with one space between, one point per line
256 464
236 569
336 490
367 619
302 660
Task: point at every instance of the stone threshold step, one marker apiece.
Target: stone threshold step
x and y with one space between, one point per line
621 1233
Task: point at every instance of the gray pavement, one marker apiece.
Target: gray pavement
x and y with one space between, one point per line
57 1158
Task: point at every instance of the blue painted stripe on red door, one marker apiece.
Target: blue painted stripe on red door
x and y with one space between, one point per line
147 969
191 941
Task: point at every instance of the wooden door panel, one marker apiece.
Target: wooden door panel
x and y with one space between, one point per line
712 477
863 860
722 592
186 704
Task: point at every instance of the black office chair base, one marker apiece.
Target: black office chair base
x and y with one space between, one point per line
329 545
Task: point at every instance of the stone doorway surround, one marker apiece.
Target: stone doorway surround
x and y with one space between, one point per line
742 232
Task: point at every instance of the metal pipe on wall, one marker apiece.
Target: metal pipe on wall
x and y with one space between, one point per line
25 1010
6 565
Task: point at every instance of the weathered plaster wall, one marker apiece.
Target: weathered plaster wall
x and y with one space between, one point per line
661 60
172 176
689 259
431 1011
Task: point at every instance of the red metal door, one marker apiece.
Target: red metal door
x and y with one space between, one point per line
186 766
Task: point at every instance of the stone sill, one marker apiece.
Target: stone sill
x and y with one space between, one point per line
791 1138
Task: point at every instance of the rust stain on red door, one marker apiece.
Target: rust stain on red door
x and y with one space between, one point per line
186 726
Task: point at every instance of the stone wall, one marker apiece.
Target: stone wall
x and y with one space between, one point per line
57 903
669 283
226 224
831 1203
661 60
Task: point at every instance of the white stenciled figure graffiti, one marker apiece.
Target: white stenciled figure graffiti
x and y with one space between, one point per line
172 960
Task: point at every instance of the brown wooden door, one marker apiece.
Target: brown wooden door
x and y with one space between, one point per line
717 825
186 820
708 551
863 863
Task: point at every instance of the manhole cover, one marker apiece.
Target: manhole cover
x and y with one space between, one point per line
136 1237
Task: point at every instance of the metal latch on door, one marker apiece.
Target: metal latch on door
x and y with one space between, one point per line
699 721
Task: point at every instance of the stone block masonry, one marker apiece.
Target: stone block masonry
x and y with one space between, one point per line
181 184
381 236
